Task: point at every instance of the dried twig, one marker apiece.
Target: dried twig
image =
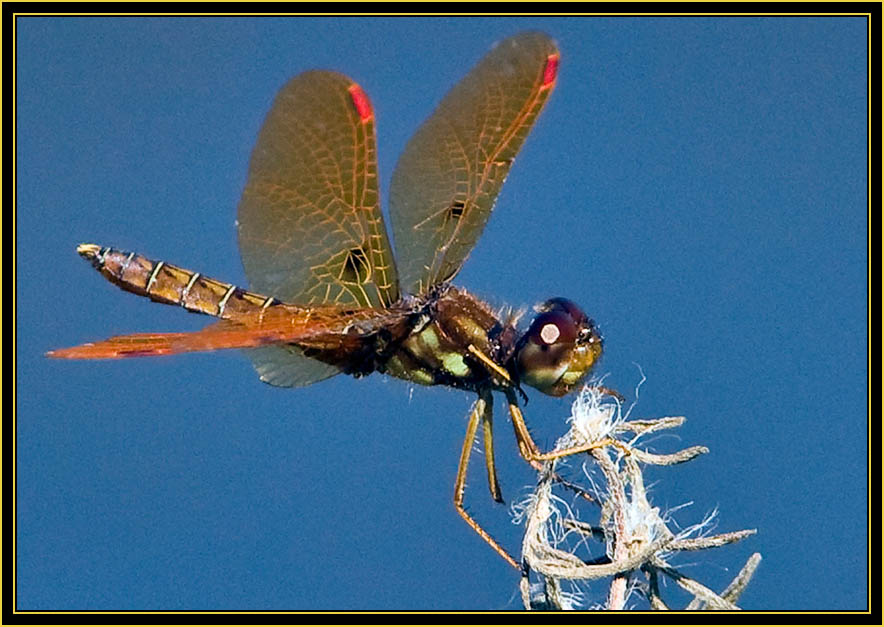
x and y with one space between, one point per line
635 536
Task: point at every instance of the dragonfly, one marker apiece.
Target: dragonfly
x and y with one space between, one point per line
327 296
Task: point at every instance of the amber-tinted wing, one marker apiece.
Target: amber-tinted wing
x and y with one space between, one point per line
310 225
448 178
328 329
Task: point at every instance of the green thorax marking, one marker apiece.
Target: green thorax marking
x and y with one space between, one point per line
436 351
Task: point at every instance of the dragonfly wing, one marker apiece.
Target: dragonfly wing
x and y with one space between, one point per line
217 336
448 178
310 225
287 366
329 329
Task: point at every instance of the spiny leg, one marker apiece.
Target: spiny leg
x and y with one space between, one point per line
490 365
487 438
529 449
606 391
488 420
533 456
478 411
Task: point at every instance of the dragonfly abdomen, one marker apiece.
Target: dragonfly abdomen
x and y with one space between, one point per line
164 283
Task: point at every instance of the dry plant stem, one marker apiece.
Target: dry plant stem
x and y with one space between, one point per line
563 565
552 598
671 459
583 528
645 427
700 591
738 585
525 592
654 597
698 544
546 560
635 535
735 588
620 541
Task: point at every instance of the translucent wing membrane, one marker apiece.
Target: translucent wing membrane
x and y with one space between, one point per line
287 366
310 225
319 329
314 245
449 176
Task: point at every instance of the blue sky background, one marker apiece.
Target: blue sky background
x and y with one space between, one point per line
697 185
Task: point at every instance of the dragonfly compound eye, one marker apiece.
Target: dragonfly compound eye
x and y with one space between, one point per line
559 349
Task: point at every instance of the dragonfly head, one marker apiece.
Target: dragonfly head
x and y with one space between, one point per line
558 349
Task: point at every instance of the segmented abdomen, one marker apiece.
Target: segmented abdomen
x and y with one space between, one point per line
165 283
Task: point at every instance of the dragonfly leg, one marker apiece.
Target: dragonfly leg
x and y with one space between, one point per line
477 413
487 426
529 449
489 364
605 390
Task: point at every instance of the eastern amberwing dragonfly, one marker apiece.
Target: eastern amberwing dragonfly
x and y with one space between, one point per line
328 296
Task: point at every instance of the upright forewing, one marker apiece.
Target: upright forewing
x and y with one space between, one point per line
448 178
310 225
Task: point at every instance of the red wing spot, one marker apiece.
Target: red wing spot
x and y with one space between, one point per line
550 71
361 102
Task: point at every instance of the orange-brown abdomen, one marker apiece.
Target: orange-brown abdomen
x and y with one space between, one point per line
165 283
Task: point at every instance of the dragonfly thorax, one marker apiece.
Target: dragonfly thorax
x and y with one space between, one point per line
449 328
457 340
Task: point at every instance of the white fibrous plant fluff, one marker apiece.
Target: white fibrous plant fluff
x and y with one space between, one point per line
593 416
629 544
